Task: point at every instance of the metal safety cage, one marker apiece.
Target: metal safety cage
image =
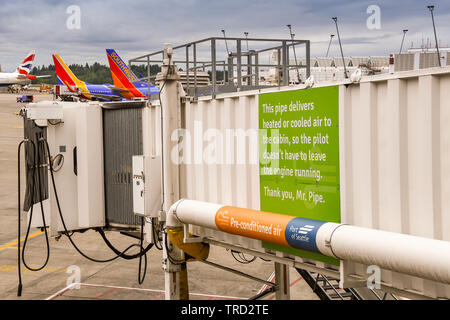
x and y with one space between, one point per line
225 69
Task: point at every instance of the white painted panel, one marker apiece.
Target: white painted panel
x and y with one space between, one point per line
394 160
89 139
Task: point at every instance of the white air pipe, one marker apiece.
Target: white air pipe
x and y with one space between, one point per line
416 256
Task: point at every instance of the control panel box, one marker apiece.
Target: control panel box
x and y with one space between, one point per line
146 185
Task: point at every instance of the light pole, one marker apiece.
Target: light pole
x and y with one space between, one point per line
246 38
403 39
340 45
431 8
226 44
295 55
329 44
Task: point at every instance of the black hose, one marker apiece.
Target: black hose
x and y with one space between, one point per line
69 236
19 288
156 239
63 222
32 189
116 251
141 280
36 163
171 259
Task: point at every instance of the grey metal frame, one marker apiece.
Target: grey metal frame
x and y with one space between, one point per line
233 62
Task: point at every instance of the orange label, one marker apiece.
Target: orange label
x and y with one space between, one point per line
254 224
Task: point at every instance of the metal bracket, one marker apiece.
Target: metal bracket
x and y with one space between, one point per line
187 99
161 216
188 239
347 280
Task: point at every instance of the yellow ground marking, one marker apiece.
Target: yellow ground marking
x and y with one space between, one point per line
13 243
11 268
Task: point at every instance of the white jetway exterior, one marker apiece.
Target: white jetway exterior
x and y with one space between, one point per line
394 155
392 171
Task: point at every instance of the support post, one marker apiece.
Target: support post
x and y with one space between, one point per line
249 69
308 58
213 67
256 69
230 70
239 64
187 69
279 67
282 281
148 76
194 49
284 54
173 258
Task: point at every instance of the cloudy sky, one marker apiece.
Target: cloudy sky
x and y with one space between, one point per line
136 27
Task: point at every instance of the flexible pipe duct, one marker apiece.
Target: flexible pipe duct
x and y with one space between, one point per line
416 256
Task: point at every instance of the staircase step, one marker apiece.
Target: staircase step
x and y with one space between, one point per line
343 295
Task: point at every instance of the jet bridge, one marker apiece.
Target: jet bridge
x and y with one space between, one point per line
383 169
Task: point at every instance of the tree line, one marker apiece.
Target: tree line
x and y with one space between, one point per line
95 73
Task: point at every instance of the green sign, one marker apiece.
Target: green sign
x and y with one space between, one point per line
299 157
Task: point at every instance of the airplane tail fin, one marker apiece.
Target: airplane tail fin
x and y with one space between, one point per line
65 75
122 76
26 65
120 69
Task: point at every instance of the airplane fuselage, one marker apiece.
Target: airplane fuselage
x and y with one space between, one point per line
9 78
98 91
143 88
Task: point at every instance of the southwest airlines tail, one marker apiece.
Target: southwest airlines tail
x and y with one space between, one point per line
26 65
66 76
114 57
122 76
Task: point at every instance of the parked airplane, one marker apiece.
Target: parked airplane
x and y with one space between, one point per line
21 76
124 78
104 92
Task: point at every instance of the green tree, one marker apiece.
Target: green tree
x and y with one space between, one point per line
95 73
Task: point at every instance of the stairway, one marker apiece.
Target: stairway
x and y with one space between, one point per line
327 288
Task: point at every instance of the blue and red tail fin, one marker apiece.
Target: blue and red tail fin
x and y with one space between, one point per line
26 65
122 76
121 65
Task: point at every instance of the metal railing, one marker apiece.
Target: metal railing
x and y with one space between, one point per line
230 66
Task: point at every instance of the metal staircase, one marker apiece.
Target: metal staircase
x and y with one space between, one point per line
327 288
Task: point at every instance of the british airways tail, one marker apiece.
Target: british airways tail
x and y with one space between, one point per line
26 65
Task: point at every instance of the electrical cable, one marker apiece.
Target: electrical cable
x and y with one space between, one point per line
141 280
242 258
118 252
54 123
171 259
19 288
266 260
36 164
32 189
64 224
156 238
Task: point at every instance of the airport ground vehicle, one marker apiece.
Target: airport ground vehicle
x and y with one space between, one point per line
26 98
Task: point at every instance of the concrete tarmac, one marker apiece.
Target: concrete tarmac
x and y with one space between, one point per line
101 281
